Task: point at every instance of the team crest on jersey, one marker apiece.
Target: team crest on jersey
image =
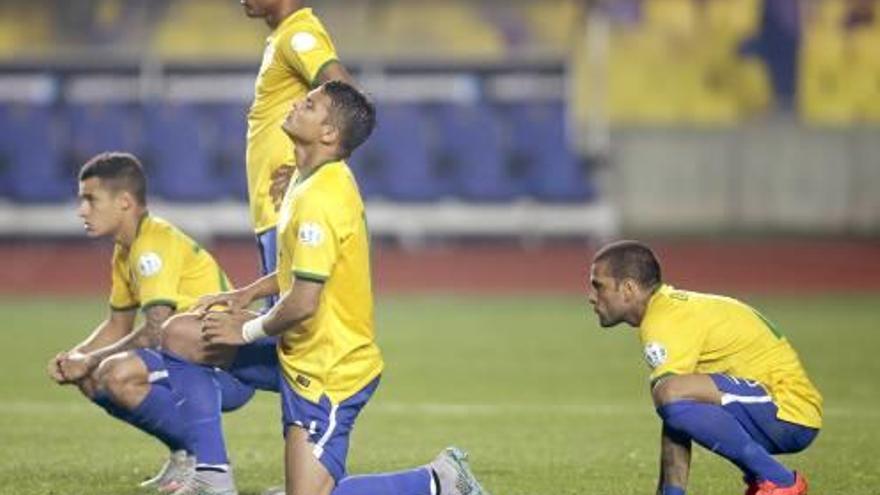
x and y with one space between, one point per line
303 42
149 264
655 354
311 234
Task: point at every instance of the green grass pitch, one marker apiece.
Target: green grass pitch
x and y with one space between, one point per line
545 401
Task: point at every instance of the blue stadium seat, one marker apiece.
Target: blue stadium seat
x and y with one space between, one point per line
402 142
32 170
472 146
229 146
552 170
97 127
178 155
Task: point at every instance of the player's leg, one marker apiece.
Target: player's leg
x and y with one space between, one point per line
753 407
133 387
316 447
693 406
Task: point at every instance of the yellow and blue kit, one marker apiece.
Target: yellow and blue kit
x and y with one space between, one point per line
688 332
330 363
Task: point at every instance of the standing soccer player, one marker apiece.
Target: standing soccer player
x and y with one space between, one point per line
329 358
722 374
158 269
298 56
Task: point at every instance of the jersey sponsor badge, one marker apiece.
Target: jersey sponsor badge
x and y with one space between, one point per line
311 234
303 42
655 354
149 264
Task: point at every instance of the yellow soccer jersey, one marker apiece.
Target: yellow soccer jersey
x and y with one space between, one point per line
322 236
688 332
163 266
296 51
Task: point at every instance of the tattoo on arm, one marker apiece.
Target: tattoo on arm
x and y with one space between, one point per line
154 317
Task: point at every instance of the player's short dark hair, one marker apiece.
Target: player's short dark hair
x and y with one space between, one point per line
118 171
352 112
631 259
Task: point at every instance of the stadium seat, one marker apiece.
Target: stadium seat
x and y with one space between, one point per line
229 122
97 127
178 153
553 171
32 169
473 149
402 142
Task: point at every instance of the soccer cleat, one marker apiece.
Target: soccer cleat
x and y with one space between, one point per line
174 472
798 488
454 473
751 486
208 483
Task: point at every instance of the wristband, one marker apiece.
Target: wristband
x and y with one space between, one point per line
253 329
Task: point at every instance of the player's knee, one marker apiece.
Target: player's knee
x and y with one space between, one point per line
118 375
667 390
181 334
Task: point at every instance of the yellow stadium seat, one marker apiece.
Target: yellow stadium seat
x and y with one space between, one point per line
197 30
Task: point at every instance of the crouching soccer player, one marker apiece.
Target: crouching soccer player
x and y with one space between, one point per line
158 269
330 362
723 376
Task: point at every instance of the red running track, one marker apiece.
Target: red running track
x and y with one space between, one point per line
737 266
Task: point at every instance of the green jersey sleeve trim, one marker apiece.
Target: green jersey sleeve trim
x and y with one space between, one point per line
314 84
311 277
125 308
159 302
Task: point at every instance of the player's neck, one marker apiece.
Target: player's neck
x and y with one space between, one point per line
310 158
130 227
285 10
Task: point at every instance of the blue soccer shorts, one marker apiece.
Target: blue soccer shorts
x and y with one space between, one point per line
329 425
753 407
267 244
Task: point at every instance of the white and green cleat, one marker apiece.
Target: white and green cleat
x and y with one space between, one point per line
208 483
177 469
454 473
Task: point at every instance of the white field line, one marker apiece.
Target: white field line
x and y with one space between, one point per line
430 409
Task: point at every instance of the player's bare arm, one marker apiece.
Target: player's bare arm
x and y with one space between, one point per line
240 298
113 328
78 365
298 305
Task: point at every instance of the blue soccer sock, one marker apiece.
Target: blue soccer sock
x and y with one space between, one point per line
157 415
672 490
419 481
717 430
199 403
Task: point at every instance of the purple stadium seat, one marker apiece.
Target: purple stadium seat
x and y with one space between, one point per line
178 153
32 170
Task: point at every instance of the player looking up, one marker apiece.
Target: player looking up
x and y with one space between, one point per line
324 319
722 374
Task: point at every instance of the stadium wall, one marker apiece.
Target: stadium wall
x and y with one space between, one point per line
745 266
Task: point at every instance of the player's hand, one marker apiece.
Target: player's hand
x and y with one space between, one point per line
224 327
54 368
280 180
76 366
234 300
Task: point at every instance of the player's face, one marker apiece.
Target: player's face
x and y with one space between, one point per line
606 295
308 118
99 208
